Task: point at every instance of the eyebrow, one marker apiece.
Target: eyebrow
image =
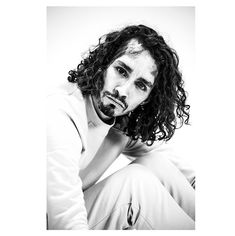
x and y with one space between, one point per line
149 84
129 69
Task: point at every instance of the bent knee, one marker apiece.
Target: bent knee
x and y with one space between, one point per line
134 173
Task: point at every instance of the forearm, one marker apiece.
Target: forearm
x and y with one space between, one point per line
172 179
65 203
110 149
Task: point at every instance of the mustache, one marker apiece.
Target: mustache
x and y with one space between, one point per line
116 96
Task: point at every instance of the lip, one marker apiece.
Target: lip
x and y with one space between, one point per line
116 101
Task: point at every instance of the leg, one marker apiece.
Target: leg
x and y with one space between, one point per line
172 179
133 198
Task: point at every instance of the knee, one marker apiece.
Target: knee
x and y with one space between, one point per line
138 172
162 168
135 174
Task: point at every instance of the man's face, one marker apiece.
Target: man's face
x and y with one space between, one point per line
128 82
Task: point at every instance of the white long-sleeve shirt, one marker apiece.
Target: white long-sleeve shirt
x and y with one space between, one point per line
74 135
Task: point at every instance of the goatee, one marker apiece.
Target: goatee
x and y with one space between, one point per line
107 110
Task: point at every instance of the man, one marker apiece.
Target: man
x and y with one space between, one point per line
125 97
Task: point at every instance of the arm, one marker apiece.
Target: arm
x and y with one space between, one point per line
137 149
65 203
110 149
173 173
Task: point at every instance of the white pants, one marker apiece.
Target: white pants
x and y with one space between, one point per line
137 198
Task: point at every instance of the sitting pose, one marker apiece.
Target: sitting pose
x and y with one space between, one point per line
125 97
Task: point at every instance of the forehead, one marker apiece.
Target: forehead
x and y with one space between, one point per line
139 59
134 47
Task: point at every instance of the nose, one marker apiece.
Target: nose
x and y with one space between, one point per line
123 89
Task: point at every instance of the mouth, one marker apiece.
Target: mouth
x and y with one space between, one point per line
116 101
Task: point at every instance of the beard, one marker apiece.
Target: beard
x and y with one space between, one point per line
107 110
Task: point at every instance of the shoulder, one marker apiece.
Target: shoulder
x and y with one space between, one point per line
136 148
66 105
67 97
64 90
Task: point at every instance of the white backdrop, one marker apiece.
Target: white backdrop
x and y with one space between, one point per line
72 30
23 162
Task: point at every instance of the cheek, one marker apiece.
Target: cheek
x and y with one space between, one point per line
109 80
135 101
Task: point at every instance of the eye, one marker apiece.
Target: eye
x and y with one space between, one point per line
121 71
141 86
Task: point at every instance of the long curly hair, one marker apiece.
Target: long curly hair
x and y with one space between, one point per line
166 109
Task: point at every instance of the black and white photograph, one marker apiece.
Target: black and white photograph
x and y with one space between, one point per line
117 116
121 96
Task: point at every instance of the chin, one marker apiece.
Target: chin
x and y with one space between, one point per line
107 110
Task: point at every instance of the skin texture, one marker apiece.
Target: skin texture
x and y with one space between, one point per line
128 82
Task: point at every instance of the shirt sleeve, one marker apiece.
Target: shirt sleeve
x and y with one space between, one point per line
65 201
136 149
